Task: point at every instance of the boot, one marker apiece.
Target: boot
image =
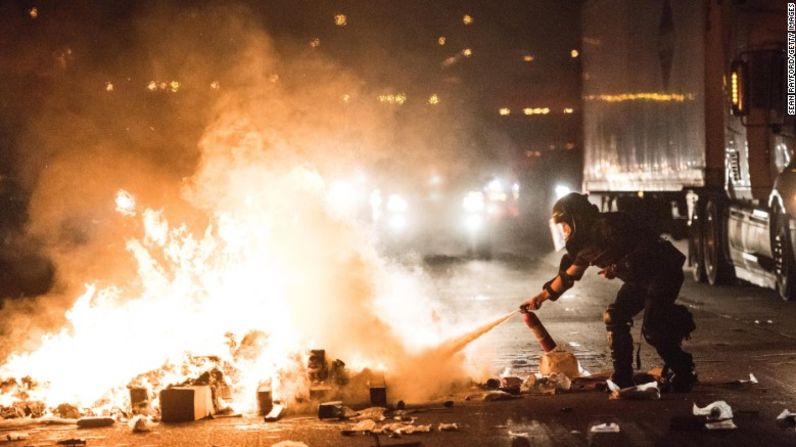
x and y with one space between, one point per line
620 343
617 325
679 375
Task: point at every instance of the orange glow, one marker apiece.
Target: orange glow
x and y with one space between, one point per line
467 52
433 99
441 40
396 98
467 19
504 111
654 96
528 58
340 20
125 203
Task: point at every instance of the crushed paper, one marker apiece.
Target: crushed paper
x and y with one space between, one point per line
140 424
605 427
786 415
714 412
367 425
374 413
647 391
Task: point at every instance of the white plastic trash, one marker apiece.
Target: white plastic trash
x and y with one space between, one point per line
605 427
716 411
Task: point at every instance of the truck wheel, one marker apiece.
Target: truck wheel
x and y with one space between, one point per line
718 270
783 260
696 257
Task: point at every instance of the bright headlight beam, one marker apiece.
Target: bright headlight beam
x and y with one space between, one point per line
561 191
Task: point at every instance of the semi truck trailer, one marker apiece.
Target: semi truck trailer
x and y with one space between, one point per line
686 124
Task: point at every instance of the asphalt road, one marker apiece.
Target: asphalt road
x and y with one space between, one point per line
741 330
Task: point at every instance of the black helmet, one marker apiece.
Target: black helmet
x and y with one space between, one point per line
575 210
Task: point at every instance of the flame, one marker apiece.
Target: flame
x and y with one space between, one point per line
253 289
125 203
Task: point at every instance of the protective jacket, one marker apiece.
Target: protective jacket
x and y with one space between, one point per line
622 247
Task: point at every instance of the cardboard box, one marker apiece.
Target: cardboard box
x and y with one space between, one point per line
186 403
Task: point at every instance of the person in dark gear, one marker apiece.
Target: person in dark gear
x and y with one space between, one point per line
652 271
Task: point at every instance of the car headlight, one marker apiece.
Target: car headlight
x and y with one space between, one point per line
474 222
396 204
474 202
398 222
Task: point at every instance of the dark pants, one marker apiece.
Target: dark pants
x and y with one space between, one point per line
664 326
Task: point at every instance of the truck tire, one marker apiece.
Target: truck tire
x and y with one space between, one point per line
718 269
696 256
785 268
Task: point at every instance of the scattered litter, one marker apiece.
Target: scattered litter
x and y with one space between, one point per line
448 427
726 424
368 425
562 381
787 417
497 395
289 444
20 436
401 415
510 384
743 383
399 429
574 344
591 383
539 385
141 424
714 412
647 391
275 414
374 413
561 361
95 422
605 427
67 411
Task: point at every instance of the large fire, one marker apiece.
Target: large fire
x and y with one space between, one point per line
275 274
201 295
245 265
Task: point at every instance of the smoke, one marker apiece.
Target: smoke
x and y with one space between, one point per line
232 140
